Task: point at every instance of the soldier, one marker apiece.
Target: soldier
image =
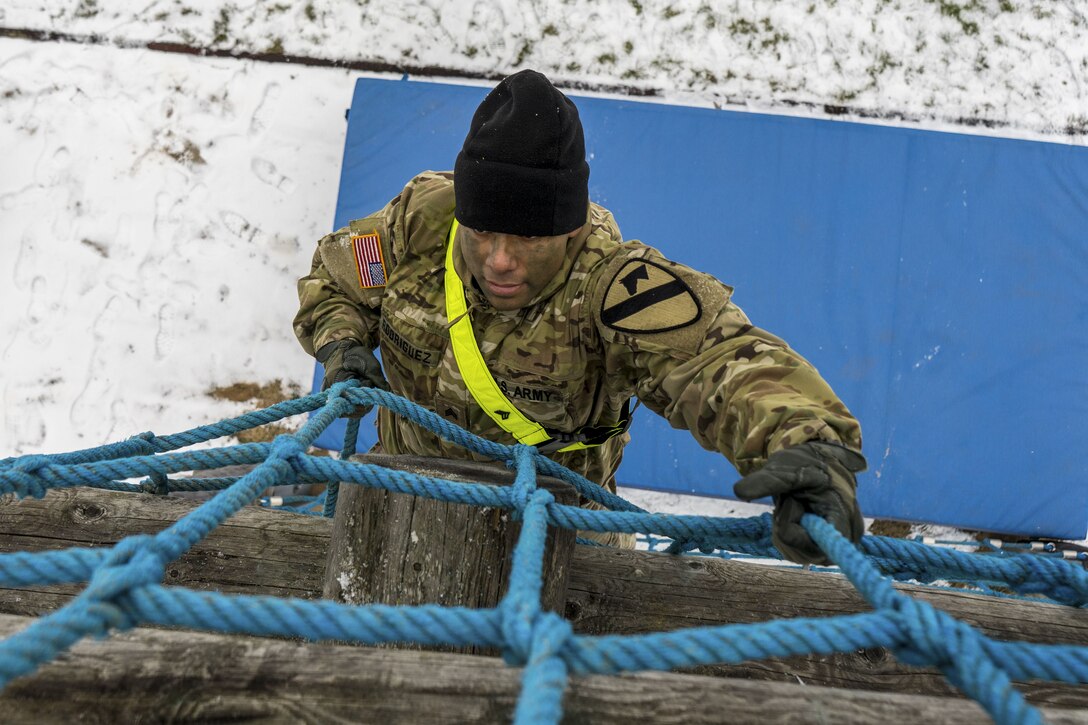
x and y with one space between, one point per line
509 304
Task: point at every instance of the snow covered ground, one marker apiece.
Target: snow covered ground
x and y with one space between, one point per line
156 208
1018 65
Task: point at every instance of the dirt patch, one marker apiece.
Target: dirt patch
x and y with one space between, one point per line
894 529
264 395
258 395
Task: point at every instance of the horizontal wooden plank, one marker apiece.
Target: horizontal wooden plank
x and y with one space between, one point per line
613 591
148 675
610 591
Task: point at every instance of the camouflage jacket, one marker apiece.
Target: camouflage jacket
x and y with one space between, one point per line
591 340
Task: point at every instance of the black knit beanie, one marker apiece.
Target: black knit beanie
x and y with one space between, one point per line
522 169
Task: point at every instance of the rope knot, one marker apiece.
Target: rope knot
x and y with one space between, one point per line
286 447
143 442
364 397
156 483
545 637
933 637
339 390
24 477
31 464
524 488
337 400
133 563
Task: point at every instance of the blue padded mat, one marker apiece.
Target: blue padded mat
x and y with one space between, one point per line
936 280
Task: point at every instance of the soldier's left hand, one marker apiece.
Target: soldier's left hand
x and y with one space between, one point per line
347 359
815 478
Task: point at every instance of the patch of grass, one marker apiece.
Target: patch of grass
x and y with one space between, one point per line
1006 7
310 13
524 52
711 20
770 37
955 11
628 46
221 26
86 9
471 51
774 40
637 6
705 75
550 29
670 13
606 58
275 47
1077 125
883 62
742 27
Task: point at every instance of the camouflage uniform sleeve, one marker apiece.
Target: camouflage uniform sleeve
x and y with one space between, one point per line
333 304
695 359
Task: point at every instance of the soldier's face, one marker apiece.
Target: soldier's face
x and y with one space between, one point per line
509 269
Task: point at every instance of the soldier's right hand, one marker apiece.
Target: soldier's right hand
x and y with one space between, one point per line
347 359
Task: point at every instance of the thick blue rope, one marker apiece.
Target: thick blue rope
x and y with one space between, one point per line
124 582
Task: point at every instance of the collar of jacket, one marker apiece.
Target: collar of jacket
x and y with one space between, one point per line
476 299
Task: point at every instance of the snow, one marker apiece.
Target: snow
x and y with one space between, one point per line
155 212
1019 64
156 208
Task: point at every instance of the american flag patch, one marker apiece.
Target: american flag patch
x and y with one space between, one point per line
368 260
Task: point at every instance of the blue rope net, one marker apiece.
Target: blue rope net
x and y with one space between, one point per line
123 582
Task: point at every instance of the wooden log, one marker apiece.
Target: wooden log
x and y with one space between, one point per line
610 591
391 548
613 591
148 675
255 550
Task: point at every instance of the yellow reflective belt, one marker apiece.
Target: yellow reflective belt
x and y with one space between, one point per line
470 361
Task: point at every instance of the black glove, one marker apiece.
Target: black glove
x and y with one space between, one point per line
810 478
347 359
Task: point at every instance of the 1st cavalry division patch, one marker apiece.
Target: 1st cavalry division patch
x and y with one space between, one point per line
646 297
368 260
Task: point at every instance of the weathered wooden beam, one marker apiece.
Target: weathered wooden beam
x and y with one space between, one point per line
149 675
614 591
279 555
264 552
391 548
